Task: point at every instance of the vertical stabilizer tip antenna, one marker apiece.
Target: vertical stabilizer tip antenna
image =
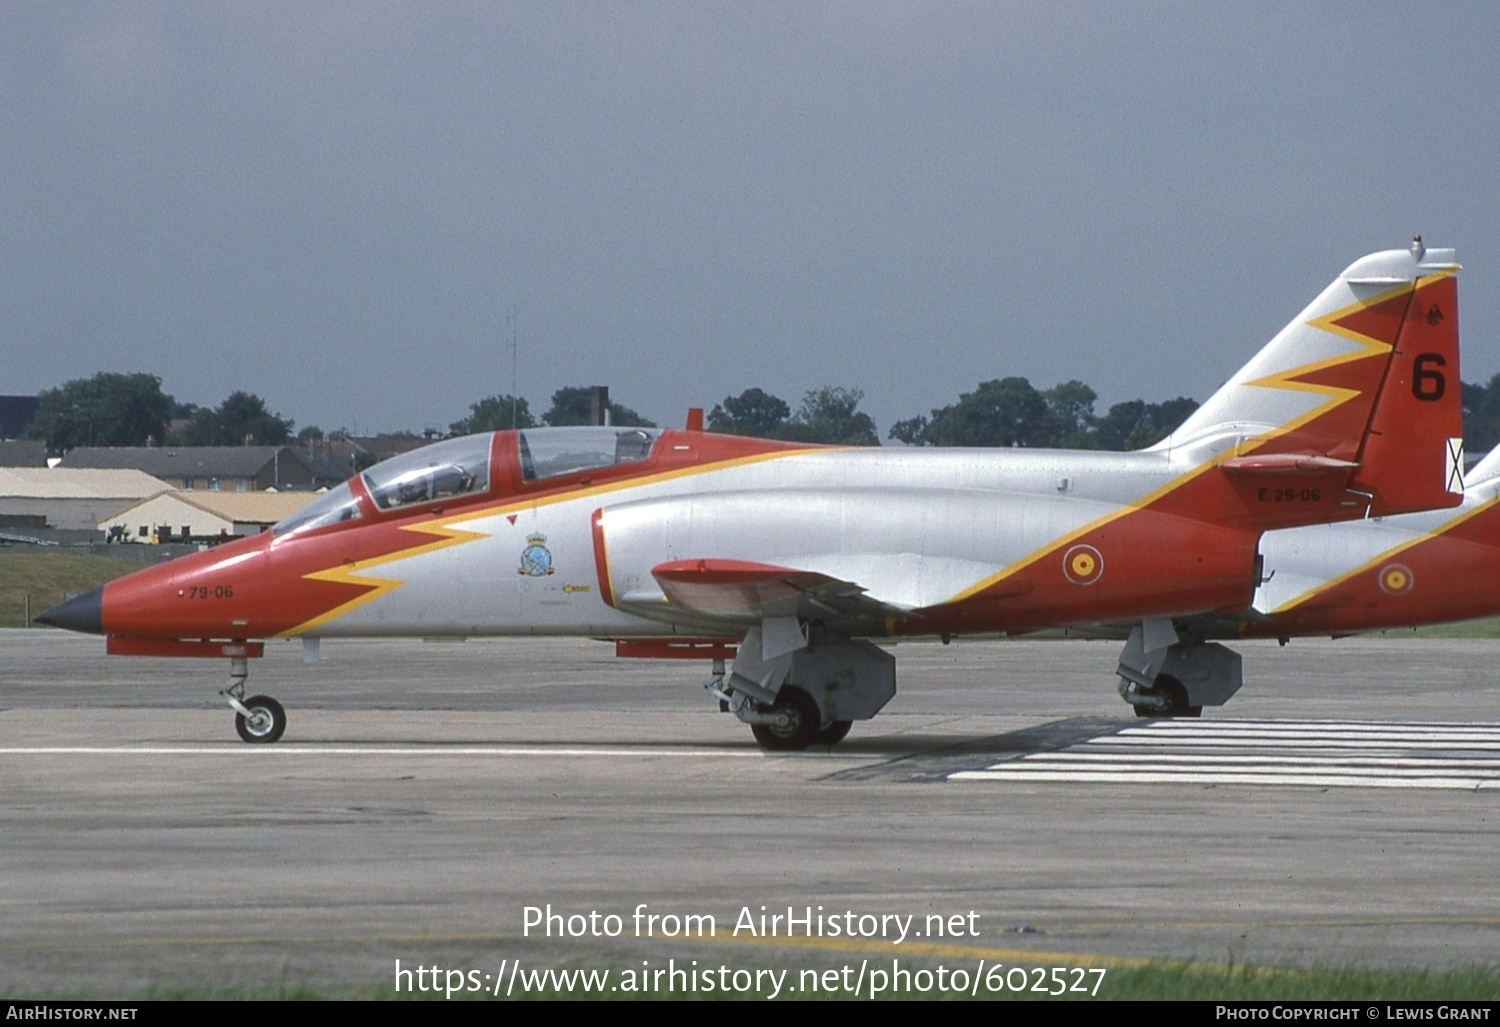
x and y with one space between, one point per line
1417 249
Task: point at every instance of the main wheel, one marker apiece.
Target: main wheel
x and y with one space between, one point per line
1177 700
266 722
803 722
834 733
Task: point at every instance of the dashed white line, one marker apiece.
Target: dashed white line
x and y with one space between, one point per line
1308 753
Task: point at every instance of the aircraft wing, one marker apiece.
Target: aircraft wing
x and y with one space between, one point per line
742 590
736 594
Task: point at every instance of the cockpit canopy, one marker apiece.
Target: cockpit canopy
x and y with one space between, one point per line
554 452
334 507
453 467
461 467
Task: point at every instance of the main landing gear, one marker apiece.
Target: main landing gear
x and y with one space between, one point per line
258 719
1167 697
794 722
1164 675
788 721
808 696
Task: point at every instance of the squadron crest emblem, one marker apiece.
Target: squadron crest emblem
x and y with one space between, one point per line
536 559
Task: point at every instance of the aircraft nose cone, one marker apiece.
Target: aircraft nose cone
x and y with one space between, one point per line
81 613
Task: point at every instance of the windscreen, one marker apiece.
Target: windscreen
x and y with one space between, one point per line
332 508
454 467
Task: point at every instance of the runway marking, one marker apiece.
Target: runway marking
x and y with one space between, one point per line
375 750
1323 754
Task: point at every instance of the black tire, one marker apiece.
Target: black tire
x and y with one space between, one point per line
1177 700
834 733
802 731
266 722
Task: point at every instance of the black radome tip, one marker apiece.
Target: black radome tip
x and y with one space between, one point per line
81 613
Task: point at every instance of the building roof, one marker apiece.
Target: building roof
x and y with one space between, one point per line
76 483
24 453
173 463
176 461
247 507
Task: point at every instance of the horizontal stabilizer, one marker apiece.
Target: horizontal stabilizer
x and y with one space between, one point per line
1287 463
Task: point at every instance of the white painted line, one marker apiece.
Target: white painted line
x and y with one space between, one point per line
1188 725
375 750
1278 760
1026 768
1297 753
1302 742
1199 778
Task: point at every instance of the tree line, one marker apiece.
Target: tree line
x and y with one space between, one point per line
131 410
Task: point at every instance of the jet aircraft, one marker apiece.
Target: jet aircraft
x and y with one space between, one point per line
1434 567
781 562
1423 568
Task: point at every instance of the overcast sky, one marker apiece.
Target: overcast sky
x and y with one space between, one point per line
338 205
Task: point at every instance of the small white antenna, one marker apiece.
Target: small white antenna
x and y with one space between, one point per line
510 331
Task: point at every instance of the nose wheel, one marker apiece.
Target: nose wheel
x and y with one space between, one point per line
263 721
258 719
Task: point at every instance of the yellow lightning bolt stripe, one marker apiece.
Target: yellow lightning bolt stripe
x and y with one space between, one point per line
1328 322
1368 346
1337 395
1387 554
353 573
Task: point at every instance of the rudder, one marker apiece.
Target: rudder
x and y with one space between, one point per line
1412 458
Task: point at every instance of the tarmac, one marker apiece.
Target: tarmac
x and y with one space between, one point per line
505 805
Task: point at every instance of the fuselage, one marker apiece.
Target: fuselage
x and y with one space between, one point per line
1394 572
1348 411
557 531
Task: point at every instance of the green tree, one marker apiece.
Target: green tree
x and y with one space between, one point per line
241 415
1481 404
570 405
912 431
495 413
753 412
1137 424
1002 412
105 410
829 415
1070 415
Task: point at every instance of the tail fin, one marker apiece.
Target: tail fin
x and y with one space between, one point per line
1413 454
1365 379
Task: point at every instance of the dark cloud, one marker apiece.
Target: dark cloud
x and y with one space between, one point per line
337 205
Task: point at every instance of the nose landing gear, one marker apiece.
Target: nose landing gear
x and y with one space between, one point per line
258 719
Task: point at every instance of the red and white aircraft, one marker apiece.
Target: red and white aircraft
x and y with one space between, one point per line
1426 568
1435 567
790 558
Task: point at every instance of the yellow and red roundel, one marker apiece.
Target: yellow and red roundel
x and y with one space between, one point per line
1083 565
1395 579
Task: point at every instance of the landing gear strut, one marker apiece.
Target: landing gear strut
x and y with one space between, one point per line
258 719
